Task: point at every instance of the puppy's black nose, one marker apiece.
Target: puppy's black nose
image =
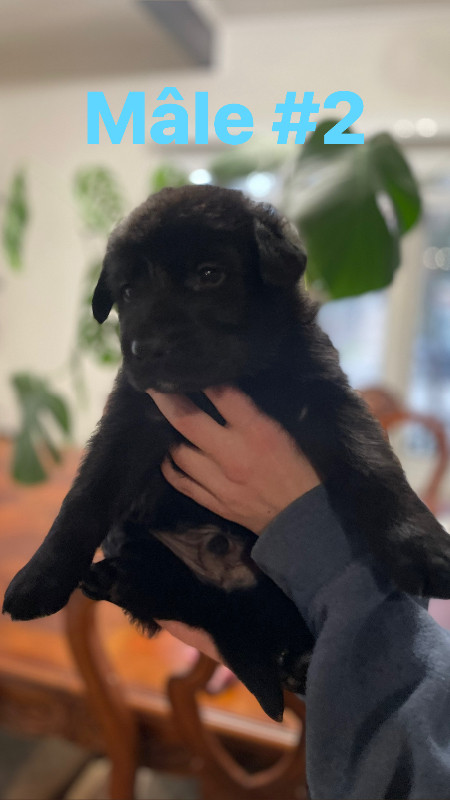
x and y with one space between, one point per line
156 347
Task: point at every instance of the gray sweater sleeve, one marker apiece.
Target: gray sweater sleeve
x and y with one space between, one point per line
378 691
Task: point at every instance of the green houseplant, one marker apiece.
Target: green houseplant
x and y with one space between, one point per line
352 203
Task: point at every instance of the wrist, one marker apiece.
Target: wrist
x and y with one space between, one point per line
306 549
260 523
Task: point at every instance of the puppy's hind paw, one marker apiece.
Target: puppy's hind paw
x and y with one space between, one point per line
103 581
294 670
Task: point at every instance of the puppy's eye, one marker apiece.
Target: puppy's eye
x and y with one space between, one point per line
126 292
210 275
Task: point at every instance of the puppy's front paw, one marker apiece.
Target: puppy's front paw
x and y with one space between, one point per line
423 573
34 593
418 557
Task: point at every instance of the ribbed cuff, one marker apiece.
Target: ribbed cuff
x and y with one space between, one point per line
304 547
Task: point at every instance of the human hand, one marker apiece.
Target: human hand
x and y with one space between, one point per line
246 471
192 636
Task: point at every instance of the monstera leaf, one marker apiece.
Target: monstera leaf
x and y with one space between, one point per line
100 204
351 203
99 198
38 406
15 221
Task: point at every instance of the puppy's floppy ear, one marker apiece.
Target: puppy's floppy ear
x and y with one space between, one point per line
282 258
102 299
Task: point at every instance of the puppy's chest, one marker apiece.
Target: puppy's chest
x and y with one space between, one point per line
158 506
215 550
155 504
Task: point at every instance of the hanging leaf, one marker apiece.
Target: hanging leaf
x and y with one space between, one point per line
15 221
26 467
99 341
167 175
33 442
79 384
59 411
352 203
99 198
258 155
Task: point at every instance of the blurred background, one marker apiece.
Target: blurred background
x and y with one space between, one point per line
389 316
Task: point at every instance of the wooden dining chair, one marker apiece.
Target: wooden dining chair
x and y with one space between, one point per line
230 754
86 675
390 412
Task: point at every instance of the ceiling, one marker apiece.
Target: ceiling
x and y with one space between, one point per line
45 39
50 39
234 8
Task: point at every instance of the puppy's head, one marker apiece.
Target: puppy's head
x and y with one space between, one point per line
203 280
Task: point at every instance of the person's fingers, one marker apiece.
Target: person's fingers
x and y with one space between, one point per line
237 409
184 484
198 466
194 424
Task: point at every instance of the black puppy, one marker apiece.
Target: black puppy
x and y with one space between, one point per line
206 287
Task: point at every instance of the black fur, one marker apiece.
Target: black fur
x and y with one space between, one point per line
206 287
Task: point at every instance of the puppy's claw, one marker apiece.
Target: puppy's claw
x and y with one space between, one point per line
294 670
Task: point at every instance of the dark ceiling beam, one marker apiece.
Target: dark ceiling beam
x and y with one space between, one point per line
182 20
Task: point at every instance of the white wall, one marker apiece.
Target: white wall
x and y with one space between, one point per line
398 61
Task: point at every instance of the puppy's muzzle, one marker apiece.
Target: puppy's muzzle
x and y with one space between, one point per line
152 349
